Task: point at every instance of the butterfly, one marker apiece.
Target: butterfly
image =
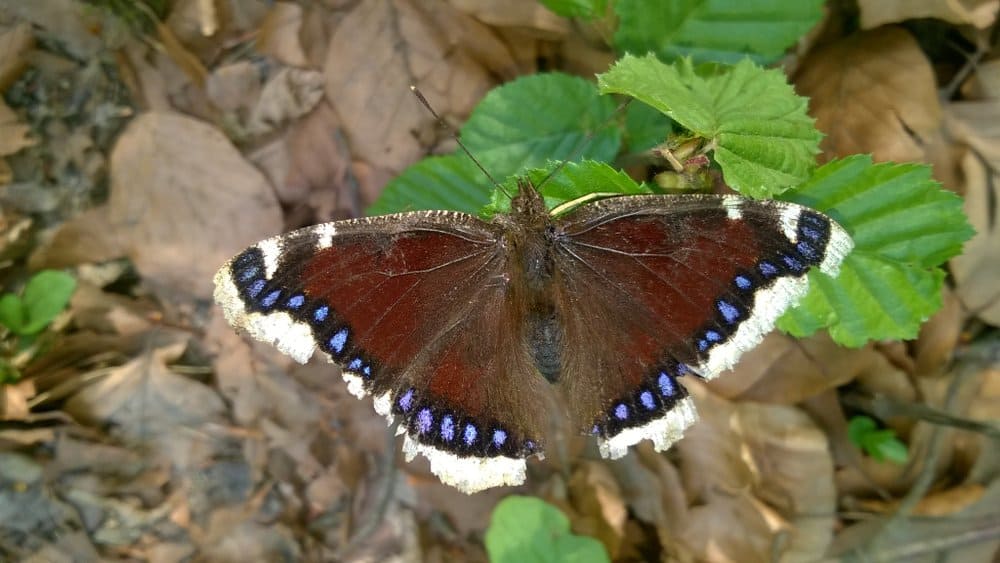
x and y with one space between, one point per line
459 326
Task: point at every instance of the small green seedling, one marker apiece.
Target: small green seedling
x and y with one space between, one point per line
881 444
44 297
529 530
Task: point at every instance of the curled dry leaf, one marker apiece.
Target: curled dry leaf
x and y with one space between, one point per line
873 92
288 95
384 47
279 34
525 14
977 269
978 13
756 472
597 499
14 45
144 398
168 200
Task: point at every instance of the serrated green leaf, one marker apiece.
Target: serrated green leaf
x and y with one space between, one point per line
563 182
584 9
714 30
764 141
525 123
528 530
12 313
438 182
45 296
903 225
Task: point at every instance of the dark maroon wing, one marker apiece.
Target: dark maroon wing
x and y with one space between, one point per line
656 287
413 308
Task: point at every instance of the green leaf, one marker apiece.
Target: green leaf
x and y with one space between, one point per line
12 313
764 141
563 182
903 225
645 127
528 530
585 9
537 118
438 182
714 30
45 296
881 445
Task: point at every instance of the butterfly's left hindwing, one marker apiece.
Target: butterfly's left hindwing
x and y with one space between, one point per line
413 308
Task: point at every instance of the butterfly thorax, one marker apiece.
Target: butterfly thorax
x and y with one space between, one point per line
531 240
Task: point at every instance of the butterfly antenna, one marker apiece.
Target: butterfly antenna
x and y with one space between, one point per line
585 142
454 134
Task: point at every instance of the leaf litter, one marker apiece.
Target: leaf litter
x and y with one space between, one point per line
149 430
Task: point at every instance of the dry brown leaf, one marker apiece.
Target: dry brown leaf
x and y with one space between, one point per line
287 96
873 92
525 14
14 135
760 478
145 398
384 47
940 335
179 189
69 21
597 500
788 370
234 86
14 44
279 34
978 13
938 503
977 269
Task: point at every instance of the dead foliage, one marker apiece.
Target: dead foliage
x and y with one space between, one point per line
149 430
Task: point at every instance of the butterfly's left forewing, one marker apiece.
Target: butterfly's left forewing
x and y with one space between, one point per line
413 307
653 288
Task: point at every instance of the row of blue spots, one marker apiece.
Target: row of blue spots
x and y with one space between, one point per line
447 427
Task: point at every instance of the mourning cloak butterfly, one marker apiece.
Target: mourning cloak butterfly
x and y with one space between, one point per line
459 326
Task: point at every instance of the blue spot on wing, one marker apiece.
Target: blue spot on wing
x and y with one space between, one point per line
424 421
666 385
338 341
729 311
296 301
447 428
647 400
271 298
256 287
499 437
406 401
470 434
621 411
319 315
